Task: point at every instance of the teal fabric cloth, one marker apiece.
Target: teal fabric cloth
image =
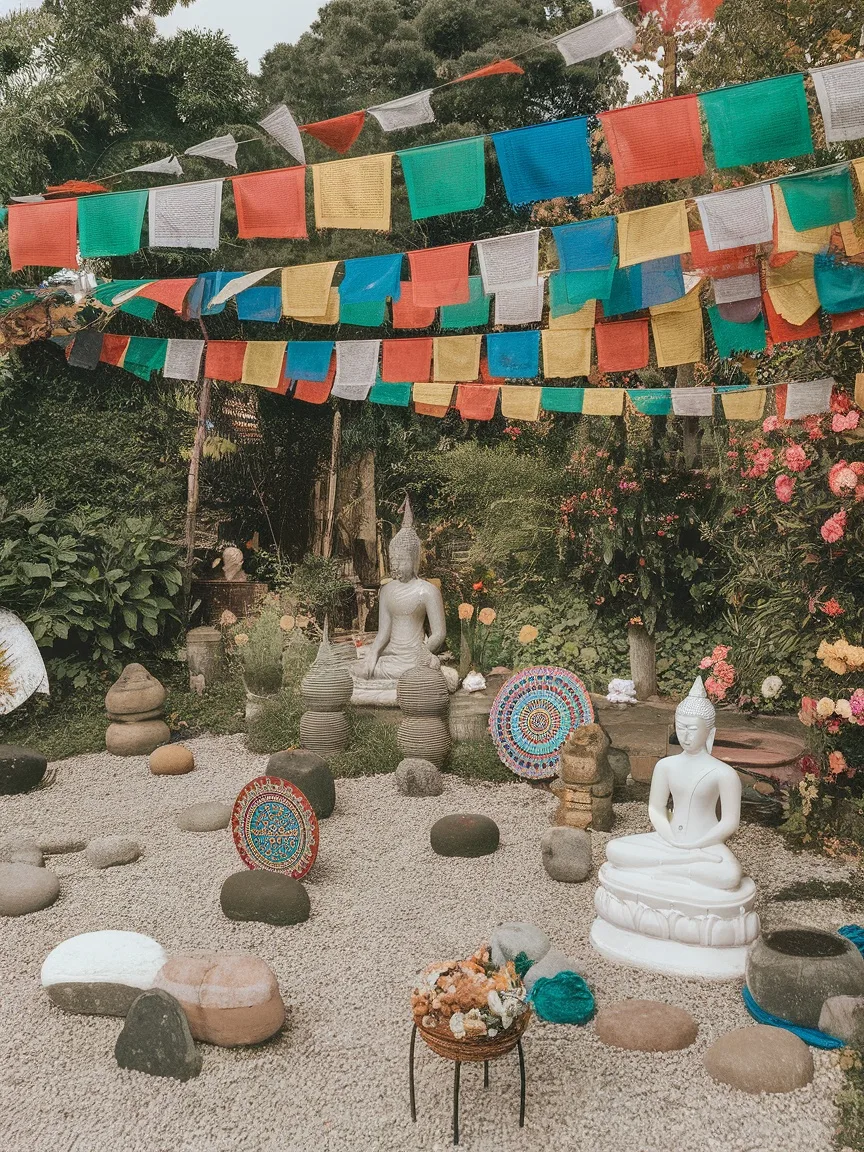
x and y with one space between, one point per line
625 292
561 399
575 289
731 338
820 199
474 314
840 287
110 225
444 178
855 933
590 244
369 315
562 999
139 306
522 962
15 298
397 395
753 123
651 401
145 355
811 1036
106 293
370 279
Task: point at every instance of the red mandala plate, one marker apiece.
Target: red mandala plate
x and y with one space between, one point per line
274 827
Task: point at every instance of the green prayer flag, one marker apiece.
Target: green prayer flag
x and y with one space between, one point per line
651 401
369 314
561 399
398 395
145 355
110 225
140 306
471 315
107 292
752 123
15 298
731 338
4 215
445 178
570 291
820 199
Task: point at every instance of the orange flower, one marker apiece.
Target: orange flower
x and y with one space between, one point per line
487 615
287 623
466 611
528 634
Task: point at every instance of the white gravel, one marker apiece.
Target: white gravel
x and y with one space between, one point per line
383 905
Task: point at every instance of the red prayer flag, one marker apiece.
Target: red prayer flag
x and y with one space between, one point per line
728 262
224 360
846 321
440 275
782 332
476 401
432 410
316 391
403 360
338 133
485 378
674 13
271 204
499 68
406 314
171 293
622 345
43 235
75 188
113 349
657 141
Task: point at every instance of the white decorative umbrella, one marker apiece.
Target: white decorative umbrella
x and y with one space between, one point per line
22 669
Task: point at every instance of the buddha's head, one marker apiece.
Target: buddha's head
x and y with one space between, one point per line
695 720
405 548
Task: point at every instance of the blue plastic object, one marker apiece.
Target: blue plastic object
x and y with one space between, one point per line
811 1036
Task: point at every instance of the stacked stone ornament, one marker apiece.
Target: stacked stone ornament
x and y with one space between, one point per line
326 690
136 709
584 789
425 701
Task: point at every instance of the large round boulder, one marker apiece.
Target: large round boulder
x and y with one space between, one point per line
308 772
101 973
791 972
205 816
645 1026
760 1059
137 739
26 888
230 998
171 760
566 854
464 834
268 897
21 769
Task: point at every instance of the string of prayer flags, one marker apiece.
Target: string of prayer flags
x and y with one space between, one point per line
222 148
782 331
224 285
718 264
808 398
111 225
281 125
223 360
86 349
444 178
733 338
732 289
651 401
262 363
545 160
697 401
440 275
508 262
678 331
476 401
662 281
43 235
145 355
406 112
306 289
471 315
397 395
651 233
308 359
113 349
369 314
840 286
406 360
674 14
739 403
186 216
432 399
661 140
356 363
262 305
520 305
622 345
605 401
566 353
840 92
407 315
520 403
754 123
792 288
586 246
561 399
737 218
607 33
787 238
338 133
332 313
183 359
513 355
496 68
271 204
354 193
819 199
456 358
371 278
168 166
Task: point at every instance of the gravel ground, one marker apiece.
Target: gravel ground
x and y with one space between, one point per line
383 905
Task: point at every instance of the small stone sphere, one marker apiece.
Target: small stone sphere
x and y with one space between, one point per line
171 760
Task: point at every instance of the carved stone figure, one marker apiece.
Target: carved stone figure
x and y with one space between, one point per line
585 783
675 900
232 565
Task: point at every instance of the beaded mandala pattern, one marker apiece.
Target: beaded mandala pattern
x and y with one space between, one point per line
533 714
274 827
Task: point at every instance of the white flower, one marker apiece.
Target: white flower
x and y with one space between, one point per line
622 692
772 686
843 709
457 1025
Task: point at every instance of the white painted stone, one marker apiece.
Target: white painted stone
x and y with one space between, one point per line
105 957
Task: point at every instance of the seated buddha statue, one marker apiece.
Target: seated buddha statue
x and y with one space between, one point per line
675 899
406 604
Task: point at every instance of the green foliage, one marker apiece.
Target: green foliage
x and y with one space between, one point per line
315 584
478 761
91 587
259 642
277 723
850 1102
372 748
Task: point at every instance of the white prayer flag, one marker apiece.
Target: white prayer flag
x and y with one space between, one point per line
282 126
356 363
739 217
693 401
520 305
840 91
186 216
730 289
605 33
407 112
222 148
237 285
168 166
33 198
808 398
183 359
509 262
351 391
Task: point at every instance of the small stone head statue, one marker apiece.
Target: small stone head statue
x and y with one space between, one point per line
695 720
405 548
232 565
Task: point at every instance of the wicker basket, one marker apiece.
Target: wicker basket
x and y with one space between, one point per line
475 1050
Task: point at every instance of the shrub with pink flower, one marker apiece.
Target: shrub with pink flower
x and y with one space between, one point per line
795 458
722 676
847 423
842 478
784 486
834 527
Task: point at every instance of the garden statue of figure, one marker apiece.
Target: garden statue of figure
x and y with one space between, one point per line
232 565
405 604
675 900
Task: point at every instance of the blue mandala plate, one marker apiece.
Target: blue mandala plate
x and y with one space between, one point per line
533 714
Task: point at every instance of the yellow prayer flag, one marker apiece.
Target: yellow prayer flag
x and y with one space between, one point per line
520 403
852 242
262 363
788 240
331 316
437 394
353 193
689 303
679 337
651 233
744 405
792 289
858 166
584 318
566 354
457 358
603 402
859 389
306 289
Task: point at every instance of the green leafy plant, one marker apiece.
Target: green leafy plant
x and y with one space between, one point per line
258 640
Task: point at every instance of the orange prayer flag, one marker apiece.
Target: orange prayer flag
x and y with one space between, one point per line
271 204
224 360
313 391
476 401
440 275
728 262
782 332
75 188
338 133
43 235
622 345
674 13
499 68
403 360
407 314
171 293
661 140
113 349
846 321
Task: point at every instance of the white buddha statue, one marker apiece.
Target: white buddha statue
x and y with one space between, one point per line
675 900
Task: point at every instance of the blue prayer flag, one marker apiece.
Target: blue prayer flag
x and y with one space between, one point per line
203 291
371 278
545 160
662 281
308 359
263 304
587 245
513 355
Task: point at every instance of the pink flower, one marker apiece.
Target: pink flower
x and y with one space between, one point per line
834 527
842 478
706 663
770 424
856 702
719 653
715 689
813 424
784 486
807 715
837 763
841 423
795 458
832 608
724 672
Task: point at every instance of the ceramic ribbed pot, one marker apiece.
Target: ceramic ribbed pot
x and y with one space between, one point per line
326 688
422 691
324 732
425 738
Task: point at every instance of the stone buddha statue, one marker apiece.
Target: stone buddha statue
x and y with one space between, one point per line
405 605
675 900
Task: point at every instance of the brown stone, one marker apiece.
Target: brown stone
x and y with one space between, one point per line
134 692
230 998
645 1026
583 755
171 760
760 1059
642 766
585 788
138 739
24 888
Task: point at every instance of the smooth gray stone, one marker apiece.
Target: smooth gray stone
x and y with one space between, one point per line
511 938
208 816
308 772
843 1017
110 851
464 834
267 897
415 777
156 1038
21 769
567 854
93 998
549 966
16 849
25 888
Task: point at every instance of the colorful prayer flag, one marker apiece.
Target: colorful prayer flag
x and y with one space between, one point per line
222 148
545 160
444 178
586 246
513 355
406 360
396 394
508 262
354 193
471 315
406 112
183 359
407 314
519 402
661 140
456 358
651 233
186 216
371 278
819 199
754 123
566 353
606 33
262 305
262 363
440 275
282 126
309 359
339 133
736 218
271 204
733 338
561 399
840 91
111 225
622 345
306 289
224 360
43 235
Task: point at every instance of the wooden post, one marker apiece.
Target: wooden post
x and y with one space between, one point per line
332 478
193 486
670 66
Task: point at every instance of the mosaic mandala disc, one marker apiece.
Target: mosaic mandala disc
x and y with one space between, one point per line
533 715
274 827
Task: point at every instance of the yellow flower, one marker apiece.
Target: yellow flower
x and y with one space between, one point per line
528 634
825 708
287 623
466 611
227 618
241 639
487 615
